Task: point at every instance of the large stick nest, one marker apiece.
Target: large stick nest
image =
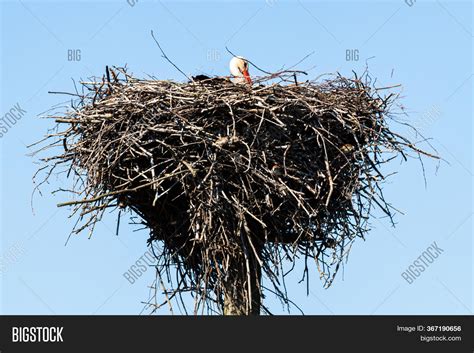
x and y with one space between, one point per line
223 173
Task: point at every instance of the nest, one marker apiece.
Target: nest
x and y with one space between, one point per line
233 181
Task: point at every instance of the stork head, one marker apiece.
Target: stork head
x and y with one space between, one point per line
239 69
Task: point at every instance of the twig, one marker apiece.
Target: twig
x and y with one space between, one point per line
163 54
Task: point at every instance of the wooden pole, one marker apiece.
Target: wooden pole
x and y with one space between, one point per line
244 279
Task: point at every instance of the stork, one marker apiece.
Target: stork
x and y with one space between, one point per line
239 70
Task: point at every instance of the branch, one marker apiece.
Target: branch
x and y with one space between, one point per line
168 59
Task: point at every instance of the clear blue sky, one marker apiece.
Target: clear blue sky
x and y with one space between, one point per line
426 47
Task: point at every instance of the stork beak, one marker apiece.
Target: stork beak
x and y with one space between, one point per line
247 76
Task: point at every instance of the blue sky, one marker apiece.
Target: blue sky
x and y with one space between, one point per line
426 47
